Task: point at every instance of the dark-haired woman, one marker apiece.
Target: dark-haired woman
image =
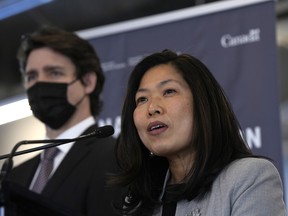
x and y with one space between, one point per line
181 151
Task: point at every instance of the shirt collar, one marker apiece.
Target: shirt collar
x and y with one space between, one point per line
73 132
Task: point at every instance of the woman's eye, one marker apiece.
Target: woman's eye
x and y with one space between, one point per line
169 91
141 100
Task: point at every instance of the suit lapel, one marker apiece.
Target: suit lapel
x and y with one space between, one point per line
77 153
24 173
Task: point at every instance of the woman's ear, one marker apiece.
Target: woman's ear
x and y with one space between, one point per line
89 81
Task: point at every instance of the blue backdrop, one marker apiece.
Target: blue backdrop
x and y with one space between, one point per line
236 40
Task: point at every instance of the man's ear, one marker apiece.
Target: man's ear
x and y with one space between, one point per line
89 81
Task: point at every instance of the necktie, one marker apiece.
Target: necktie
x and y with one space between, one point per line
45 170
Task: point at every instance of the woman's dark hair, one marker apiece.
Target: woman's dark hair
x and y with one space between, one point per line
217 138
78 50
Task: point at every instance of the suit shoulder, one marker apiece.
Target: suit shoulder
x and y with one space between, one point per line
252 166
244 173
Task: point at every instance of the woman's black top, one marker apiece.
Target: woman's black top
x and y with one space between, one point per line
170 200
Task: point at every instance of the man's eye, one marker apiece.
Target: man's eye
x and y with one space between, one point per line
55 73
30 77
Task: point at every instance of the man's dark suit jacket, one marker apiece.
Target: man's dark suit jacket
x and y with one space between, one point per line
79 183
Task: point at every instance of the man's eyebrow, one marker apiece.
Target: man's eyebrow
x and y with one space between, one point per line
46 68
50 67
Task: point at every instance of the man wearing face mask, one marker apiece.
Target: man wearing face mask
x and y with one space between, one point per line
63 80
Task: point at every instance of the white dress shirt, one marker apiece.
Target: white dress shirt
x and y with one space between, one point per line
72 132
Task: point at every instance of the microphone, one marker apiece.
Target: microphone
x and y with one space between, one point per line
100 132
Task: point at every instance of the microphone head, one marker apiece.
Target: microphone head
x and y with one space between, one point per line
104 131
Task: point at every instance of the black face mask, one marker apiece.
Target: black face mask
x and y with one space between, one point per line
49 103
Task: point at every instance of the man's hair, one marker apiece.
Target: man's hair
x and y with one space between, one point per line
78 50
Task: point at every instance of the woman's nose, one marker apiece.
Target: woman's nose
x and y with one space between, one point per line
154 108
